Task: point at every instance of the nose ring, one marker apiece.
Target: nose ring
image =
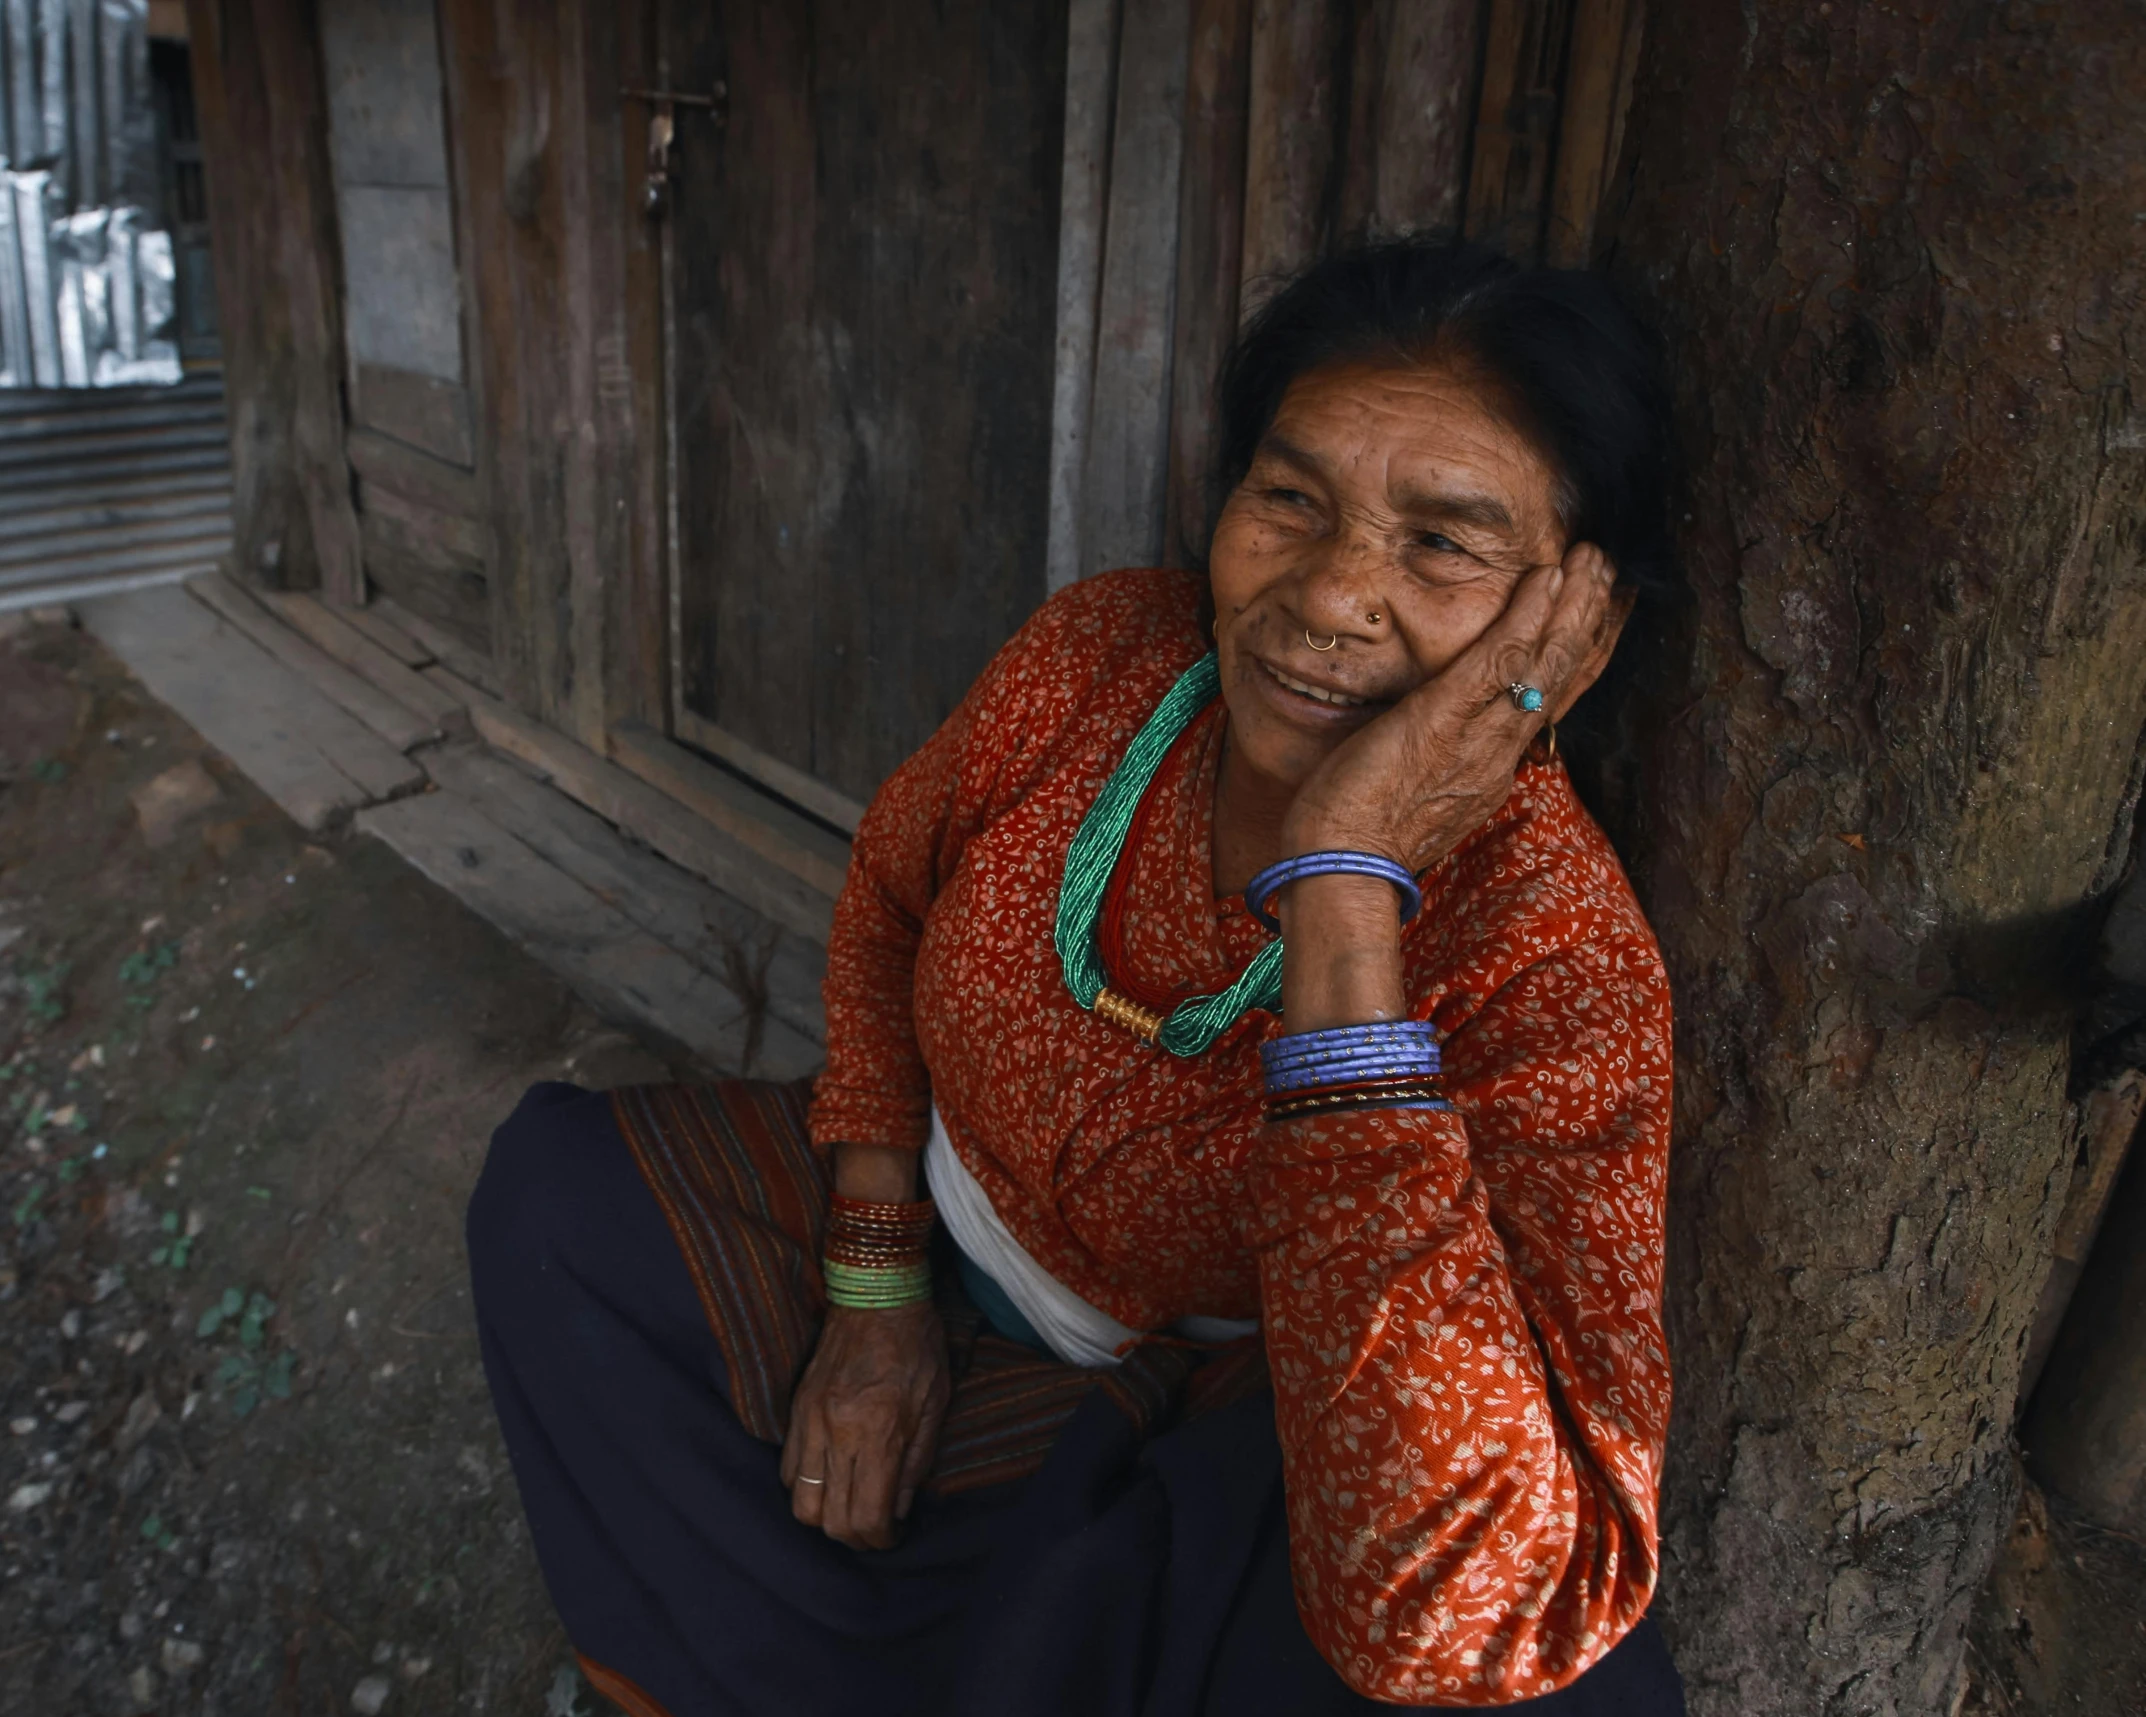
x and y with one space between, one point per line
1332 639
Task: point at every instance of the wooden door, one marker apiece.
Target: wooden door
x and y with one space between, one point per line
860 280
406 382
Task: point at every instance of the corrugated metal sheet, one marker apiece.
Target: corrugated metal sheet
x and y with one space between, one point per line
85 278
110 491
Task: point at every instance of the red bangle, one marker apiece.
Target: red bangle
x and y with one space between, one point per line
878 1235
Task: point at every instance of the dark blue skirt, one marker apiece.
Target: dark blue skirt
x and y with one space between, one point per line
1136 1566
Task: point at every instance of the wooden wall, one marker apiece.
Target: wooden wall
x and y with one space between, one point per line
1215 146
262 107
455 414
523 459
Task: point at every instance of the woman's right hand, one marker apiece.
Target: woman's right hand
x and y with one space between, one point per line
865 1422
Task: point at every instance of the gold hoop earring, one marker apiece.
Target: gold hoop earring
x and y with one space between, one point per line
1332 638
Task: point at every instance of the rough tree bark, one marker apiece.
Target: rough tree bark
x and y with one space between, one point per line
1888 772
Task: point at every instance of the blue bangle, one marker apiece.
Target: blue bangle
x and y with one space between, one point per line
1404 1036
1383 1034
1276 877
1393 1054
1376 1050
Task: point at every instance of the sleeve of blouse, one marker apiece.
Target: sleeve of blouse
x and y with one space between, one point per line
1464 1324
875 1090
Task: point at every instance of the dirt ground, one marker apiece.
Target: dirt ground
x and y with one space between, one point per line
247 1461
246 1081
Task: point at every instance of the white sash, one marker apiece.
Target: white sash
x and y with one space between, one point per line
1077 1332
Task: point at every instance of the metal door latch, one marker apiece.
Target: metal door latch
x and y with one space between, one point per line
663 135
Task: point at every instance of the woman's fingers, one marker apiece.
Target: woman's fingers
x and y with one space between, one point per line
1548 631
808 1438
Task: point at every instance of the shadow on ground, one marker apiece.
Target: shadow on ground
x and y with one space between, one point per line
246 1081
2061 1626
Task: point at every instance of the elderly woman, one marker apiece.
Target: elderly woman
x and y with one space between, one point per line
1220 1268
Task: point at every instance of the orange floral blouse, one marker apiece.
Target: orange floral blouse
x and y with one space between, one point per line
1462 1310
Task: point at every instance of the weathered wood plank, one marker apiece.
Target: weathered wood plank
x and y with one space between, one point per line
441 645
448 537
718 933
1590 127
231 109
362 654
1210 259
450 593
382 66
427 413
1091 86
806 791
647 814
1298 56
627 259
402 299
417 477
1127 473
522 140
263 127
306 224
401 726
1516 122
384 632
616 966
1424 98
779 835
314 760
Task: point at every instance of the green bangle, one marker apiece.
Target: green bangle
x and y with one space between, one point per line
857 1287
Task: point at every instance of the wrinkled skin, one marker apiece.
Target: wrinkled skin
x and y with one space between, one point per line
1398 513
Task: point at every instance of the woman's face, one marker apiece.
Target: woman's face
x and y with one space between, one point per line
1389 510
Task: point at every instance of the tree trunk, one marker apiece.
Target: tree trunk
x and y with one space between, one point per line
1885 779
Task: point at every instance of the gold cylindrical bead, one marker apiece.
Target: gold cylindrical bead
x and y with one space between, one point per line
1124 1011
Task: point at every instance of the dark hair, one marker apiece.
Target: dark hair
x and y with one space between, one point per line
1577 372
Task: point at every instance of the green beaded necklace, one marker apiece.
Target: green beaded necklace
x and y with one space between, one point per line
1192 1025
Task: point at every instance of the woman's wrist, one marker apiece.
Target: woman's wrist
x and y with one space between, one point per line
1343 965
880 1174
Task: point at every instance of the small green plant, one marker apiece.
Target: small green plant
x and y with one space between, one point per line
243 1378
49 769
29 1207
42 991
141 969
157 1533
178 1248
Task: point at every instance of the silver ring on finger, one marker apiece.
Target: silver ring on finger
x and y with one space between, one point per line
802 1479
1526 698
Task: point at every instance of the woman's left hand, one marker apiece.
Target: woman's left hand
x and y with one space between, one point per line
1415 782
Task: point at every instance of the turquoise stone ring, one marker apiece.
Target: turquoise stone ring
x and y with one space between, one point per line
1528 698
